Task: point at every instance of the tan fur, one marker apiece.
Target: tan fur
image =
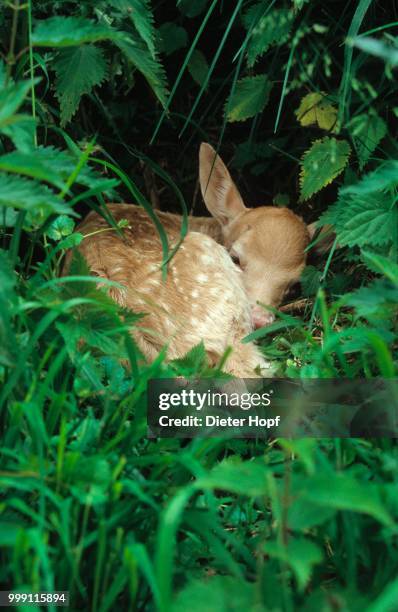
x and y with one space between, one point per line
206 297
269 242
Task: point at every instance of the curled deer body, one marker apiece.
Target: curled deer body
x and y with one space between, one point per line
227 268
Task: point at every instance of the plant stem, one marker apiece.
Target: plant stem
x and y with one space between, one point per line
14 27
32 75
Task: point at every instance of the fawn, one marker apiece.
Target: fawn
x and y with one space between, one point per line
225 266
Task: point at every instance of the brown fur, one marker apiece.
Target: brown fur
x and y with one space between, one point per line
206 297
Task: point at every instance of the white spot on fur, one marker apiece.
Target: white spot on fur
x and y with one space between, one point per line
202 278
195 294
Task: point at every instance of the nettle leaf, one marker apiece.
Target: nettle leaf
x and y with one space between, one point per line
373 298
140 13
384 178
11 98
21 193
136 52
367 130
320 165
172 38
300 554
198 67
273 28
221 594
362 219
21 131
315 109
249 98
381 265
70 31
236 476
78 70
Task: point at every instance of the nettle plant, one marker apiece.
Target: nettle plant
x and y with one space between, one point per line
286 56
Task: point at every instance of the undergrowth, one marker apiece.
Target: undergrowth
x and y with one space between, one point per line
108 101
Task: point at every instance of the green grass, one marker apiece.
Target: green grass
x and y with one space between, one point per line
88 503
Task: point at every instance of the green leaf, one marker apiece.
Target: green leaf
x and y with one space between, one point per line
273 28
378 48
78 70
140 13
24 194
381 265
61 226
31 164
220 594
70 31
172 38
362 219
384 178
367 130
299 554
152 69
21 130
242 478
11 98
373 298
315 109
249 98
320 165
198 67
344 492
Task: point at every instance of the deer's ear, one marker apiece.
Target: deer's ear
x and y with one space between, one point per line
219 192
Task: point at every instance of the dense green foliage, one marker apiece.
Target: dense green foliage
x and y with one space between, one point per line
105 100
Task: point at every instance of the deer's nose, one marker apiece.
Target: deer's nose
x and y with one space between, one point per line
261 317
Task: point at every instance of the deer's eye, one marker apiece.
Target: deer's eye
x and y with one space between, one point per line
235 259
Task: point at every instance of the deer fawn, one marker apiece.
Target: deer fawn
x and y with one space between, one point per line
225 266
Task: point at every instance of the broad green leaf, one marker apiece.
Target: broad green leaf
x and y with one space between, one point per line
78 70
381 265
20 129
24 194
373 298
71 241
70 31
152 69
242 478
315 109
384 178
362 219
140 13
299 554
61 226
320 165
11 98
31 164
302 515
249 98
219 594
344 492
367 130
272 28
198 67
172 37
